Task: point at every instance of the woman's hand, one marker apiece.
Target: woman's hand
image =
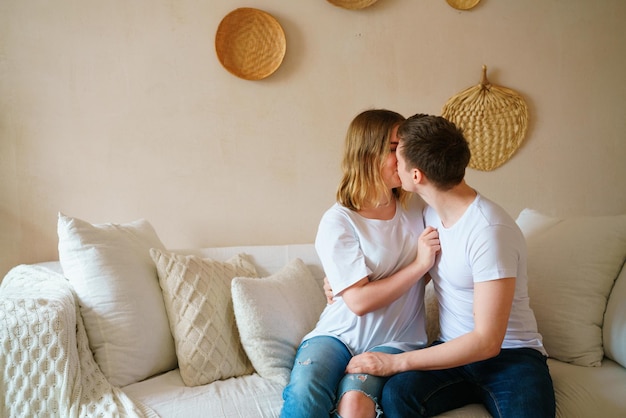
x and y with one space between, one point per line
328 292
428 247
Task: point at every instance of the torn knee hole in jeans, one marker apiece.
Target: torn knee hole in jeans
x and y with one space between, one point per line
305 362
361 377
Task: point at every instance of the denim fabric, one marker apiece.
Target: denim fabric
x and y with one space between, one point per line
371 385
516 383
318 375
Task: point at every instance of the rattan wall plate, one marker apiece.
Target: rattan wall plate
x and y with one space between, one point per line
494 120
250 43
352 4
463 4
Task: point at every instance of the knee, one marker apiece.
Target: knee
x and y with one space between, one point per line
355 404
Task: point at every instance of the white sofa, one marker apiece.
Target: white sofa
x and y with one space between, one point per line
181 354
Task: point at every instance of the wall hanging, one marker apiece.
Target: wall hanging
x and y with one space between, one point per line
250 43
352 4
463 4
494 120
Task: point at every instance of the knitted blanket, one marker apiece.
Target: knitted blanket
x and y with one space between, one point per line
46 366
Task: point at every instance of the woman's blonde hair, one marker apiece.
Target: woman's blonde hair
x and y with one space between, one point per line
367 145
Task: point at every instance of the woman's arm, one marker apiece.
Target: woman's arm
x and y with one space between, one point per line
492 305
365 296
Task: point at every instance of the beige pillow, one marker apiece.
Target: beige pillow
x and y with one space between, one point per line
572 265
273 314
197 299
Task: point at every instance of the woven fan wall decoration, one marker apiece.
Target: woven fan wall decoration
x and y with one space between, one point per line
494 120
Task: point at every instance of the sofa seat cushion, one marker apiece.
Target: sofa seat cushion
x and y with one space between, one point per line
237 397
589 391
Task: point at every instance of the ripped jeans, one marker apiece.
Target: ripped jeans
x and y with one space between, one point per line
318 379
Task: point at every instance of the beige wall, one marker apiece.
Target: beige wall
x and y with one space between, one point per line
115 110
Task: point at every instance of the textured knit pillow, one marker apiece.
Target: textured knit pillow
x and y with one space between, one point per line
110 269
572 265
197 298
273 314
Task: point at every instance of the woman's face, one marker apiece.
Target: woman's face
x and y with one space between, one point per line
390 167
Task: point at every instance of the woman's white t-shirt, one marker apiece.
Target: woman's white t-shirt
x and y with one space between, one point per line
352 247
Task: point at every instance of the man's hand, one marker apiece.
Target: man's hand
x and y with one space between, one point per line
374 363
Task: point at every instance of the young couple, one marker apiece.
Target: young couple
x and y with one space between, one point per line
367 353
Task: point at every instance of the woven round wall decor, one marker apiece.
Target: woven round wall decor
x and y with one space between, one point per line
352 4
494 120
463 4
250 43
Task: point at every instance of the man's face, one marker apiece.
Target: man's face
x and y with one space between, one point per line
403 172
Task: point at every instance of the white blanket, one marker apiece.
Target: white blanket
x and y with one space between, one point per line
45 355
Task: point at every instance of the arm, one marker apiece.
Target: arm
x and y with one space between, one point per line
492 306
365 296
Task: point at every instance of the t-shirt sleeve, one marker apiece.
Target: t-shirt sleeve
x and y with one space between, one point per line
338 248
495 253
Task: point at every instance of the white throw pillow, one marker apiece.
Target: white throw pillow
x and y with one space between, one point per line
532 222
200 310
110 268
572 265
273 314
614 328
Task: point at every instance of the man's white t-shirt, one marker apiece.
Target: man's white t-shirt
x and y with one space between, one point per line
484 244
352 247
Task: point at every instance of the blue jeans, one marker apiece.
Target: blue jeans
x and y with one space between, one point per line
318 379
515 383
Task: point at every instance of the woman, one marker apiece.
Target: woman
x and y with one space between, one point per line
371 233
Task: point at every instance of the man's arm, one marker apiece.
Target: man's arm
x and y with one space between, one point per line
492 306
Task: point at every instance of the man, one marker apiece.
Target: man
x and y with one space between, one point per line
490 351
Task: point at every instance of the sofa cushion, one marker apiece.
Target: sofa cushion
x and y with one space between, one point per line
614 328
572 265
273 314
110 268
197 298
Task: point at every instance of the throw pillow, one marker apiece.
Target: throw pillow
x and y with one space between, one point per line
110 268
197 298
572 265
273 314
614 328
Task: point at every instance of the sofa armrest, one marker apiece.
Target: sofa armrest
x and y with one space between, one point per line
38 351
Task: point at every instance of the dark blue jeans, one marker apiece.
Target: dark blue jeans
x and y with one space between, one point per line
516 383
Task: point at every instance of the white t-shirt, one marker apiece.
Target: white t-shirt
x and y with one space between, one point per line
352 247
484 244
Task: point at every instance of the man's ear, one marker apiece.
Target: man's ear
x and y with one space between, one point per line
416 175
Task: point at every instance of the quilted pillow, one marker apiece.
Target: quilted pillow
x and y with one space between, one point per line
572 265
197 298
273 314
110 268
